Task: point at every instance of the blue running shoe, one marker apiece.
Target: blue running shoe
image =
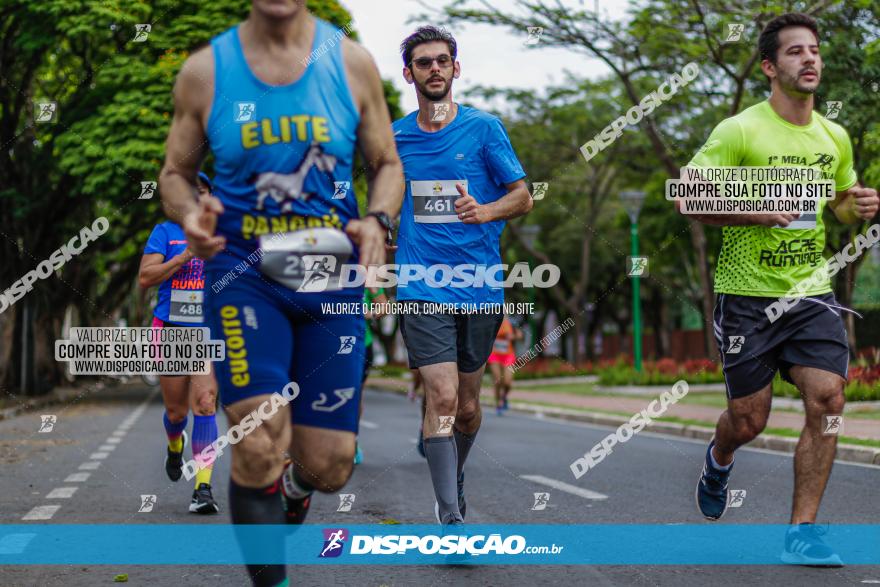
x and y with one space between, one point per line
358 454
460 529
711 492
804 546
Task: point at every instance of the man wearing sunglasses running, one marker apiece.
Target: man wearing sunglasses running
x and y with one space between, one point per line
463 181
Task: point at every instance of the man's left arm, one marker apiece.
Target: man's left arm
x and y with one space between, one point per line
516 202
855 204
852 203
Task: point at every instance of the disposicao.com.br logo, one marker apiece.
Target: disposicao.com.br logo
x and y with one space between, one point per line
430 544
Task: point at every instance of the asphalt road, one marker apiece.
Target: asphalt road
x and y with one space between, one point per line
649 480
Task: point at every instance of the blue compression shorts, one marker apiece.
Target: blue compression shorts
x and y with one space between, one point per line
275 335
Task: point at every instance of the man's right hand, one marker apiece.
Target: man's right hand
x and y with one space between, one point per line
775 220
199 226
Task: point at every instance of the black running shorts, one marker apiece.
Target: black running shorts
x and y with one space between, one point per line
753 349
449 337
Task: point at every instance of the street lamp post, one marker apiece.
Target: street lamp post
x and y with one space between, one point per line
632 200
529 235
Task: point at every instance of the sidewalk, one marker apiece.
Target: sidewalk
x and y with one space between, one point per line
854 427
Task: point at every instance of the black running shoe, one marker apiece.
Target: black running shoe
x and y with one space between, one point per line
174 461
462 504
804 546
203 500
295 509
711 491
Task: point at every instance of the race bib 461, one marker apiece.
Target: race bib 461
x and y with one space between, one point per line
434 200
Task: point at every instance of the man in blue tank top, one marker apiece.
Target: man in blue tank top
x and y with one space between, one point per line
463 181
282 100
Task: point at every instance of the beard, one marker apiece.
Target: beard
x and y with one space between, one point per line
793 83
434 95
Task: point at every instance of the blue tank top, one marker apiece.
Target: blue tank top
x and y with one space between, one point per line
283 154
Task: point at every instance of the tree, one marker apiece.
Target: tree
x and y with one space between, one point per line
656 40
546 133
113 104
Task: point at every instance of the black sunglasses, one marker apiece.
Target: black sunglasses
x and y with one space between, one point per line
444 61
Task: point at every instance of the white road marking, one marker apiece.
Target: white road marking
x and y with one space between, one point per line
414 440
14 543
42 512
61 493
573 489
368 424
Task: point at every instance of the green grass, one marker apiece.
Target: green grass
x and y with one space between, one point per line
787 432
702 398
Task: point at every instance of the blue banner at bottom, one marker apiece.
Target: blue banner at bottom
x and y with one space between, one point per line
611 544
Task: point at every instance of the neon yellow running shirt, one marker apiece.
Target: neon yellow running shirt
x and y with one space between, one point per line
763 261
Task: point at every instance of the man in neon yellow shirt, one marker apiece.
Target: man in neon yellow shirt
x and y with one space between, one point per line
763 258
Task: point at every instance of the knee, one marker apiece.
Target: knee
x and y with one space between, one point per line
828 401
443 398
467 411
836 401
331 475
256 456
747 427
176 413
205 403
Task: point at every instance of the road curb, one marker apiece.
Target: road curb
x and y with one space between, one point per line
845 452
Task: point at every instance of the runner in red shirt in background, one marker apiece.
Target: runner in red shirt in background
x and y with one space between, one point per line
502 357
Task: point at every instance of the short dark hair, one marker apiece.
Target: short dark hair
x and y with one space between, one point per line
426 34
768 42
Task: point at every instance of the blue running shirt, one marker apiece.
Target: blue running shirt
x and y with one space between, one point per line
180 296
473 149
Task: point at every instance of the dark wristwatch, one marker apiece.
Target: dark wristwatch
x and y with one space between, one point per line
385 222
